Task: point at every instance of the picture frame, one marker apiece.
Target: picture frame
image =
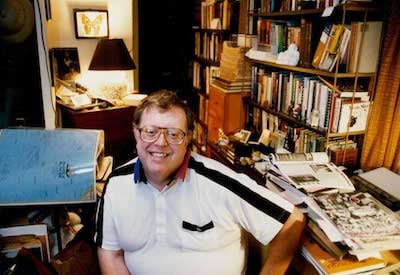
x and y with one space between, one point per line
90 23
265 137
243 135
64 64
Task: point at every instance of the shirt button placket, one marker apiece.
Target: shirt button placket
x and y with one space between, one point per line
161 219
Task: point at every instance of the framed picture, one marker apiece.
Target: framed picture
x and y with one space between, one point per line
265 137
91 23
64 64
243 136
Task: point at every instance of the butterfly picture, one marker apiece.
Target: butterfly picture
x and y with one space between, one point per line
91 23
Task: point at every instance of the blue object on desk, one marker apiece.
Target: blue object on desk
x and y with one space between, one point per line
40 166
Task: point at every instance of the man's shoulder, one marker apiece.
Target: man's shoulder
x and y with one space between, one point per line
124 169
121 175
209 163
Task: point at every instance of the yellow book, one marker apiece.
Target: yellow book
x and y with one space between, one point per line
319 52
329 264
336 34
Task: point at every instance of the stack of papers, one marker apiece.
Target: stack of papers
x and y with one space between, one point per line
356 220
366 226
308 172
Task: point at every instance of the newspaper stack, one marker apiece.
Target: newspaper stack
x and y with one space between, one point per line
359 221
340 215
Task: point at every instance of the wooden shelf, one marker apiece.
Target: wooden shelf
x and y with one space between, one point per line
206 61
356 7
287 13
197 29
310 71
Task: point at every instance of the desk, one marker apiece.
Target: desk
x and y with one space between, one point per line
299 265
116 123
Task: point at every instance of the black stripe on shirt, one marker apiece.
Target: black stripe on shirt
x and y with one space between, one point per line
121 171
253 198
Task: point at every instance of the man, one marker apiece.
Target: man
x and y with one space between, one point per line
172 211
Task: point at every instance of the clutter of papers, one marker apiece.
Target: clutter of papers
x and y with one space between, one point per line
356 220
76 97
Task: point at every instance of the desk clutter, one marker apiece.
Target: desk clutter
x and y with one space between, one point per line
77 97
352 219
49 184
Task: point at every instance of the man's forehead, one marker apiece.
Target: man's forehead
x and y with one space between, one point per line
176 112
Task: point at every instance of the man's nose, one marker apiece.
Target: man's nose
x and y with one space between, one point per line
162 138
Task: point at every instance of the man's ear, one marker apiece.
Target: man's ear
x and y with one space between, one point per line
136 133
189 137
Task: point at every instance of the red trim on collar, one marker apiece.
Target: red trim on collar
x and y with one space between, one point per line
181 172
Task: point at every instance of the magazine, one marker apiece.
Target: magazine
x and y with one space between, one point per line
367 225
310 172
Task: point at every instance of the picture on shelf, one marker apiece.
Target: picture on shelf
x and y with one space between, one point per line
64 63
243 136
265 137
91 23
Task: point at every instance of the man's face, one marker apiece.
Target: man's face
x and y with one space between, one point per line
161 159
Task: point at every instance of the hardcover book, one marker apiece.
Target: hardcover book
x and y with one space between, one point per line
382 184
354 116
366 52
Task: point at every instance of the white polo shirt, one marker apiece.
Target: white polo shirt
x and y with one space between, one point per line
193 226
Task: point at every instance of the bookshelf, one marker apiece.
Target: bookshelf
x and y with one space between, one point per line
323 103
214 23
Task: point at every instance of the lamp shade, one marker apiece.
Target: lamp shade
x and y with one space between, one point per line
111 54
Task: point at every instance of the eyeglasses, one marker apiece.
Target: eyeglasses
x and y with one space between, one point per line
152 133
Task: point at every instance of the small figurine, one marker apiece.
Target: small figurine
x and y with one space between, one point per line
222 138
289 57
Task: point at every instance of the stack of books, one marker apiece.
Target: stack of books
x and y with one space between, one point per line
242 85
233 65
342 43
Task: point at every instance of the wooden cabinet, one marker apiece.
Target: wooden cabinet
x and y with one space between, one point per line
225 111
116 123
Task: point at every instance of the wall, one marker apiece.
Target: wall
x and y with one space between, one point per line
61 30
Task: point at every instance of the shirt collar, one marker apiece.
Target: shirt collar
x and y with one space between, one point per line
139 175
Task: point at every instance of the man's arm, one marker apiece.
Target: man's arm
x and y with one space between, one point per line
112 262
283 247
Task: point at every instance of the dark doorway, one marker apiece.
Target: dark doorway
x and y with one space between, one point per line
165 45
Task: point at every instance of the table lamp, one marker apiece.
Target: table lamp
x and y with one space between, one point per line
112 55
